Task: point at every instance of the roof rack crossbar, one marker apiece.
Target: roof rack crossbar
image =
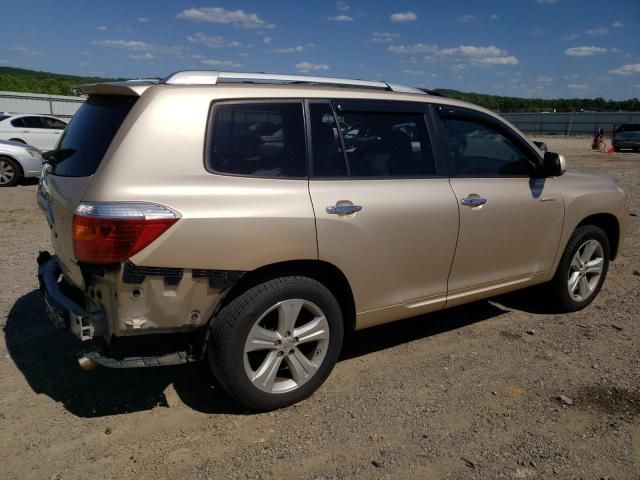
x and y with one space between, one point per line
204 77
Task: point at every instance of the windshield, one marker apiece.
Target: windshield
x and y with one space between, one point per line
89 134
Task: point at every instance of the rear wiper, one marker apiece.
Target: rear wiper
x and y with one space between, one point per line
54 157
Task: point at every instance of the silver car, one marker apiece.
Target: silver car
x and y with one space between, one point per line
18 161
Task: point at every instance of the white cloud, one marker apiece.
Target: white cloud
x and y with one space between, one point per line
143 56
296 49
220 15
306 67
413 72
126 44
547 2
143 19
138 46
401 17
266 40
571 37
383 37
577 86
594 32
340 18
413 49
585 51
3 61
616 24
466 18
102 28
221 63
211 42
490 55
626 69
544 79
342 6
495 16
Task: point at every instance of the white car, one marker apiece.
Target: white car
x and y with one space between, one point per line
18 161
41 131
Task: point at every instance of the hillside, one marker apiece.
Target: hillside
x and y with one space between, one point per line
22 80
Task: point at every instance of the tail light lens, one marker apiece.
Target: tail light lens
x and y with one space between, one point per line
114 232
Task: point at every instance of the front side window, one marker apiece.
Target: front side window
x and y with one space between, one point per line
32 122
261 139
479 150
383 144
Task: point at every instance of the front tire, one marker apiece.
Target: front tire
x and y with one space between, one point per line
275 344
582 269
10 172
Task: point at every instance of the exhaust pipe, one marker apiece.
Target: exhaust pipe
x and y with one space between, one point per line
86 363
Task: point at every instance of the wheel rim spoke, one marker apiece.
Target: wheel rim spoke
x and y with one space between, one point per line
266 373
313 331
576 263
261 339
574 280
584 287
300 366
287 315
589 249
595 266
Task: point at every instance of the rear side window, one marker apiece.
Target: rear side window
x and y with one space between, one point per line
261 139
53 123
378 144
18 122
89 134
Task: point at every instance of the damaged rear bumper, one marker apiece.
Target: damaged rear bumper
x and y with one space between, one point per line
63 302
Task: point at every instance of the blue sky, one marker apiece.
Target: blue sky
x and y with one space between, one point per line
531 48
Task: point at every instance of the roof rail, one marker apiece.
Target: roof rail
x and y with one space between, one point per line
206 77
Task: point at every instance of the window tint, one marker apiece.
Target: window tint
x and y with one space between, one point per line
259 139
32 122
480 150
328 157
18 122
377 144
89 134
53 123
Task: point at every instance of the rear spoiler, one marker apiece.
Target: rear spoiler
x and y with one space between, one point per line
128 87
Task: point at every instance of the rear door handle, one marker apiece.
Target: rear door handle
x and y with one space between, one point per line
343 209
474 201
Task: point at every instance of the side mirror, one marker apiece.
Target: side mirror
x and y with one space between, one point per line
553 165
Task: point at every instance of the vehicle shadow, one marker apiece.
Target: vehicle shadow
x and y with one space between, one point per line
47 359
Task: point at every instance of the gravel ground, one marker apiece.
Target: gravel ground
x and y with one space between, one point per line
468 393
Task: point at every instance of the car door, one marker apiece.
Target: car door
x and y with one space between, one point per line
53 128
35 134
385 214
510 219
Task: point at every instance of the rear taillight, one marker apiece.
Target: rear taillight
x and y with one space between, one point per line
113 232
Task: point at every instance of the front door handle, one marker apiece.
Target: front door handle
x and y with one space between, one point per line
343 209
474 201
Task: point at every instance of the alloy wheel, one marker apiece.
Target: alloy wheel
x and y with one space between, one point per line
286 346
585 270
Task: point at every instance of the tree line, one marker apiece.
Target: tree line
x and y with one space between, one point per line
31 81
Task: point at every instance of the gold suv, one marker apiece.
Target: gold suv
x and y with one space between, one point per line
252 219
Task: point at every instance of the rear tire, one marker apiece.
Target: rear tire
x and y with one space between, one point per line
582 269
10 173
275 344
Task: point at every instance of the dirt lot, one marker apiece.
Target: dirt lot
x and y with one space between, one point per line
468 393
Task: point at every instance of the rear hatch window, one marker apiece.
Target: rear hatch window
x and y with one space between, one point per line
87 137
